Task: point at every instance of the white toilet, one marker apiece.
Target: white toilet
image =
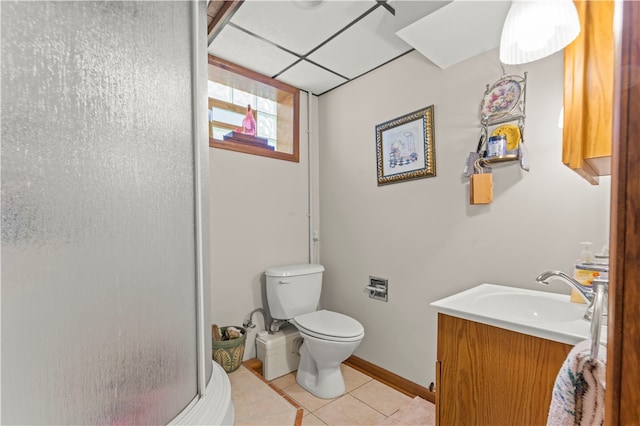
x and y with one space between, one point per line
293 293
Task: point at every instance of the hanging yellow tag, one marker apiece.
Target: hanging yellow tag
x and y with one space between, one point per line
480 186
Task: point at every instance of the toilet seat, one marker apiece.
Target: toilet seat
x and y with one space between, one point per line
329 325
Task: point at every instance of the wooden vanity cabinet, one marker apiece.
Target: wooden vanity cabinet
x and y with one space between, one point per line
486 375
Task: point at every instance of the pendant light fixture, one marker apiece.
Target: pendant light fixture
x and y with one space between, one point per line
534 29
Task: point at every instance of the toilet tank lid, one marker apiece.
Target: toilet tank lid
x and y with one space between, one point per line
293 270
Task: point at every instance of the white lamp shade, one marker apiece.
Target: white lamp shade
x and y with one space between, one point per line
535 29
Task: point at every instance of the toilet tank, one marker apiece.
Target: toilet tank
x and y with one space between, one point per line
293 290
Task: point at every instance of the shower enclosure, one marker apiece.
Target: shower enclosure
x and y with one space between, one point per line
104 174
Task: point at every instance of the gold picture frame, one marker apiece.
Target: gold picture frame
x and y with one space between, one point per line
405 147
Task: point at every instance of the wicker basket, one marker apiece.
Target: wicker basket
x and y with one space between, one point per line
229 353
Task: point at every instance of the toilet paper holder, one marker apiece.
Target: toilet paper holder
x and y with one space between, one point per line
378 288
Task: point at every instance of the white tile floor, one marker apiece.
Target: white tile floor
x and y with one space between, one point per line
256 403
365 402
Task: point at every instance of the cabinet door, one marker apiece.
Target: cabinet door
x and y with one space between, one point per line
492 376
588 92
438 393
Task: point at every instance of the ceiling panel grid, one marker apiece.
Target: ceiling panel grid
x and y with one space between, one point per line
318 45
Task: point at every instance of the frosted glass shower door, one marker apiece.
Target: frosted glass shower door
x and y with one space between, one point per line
99 265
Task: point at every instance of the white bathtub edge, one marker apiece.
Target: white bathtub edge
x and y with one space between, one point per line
215 407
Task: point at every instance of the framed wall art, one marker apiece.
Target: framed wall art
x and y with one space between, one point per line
405 147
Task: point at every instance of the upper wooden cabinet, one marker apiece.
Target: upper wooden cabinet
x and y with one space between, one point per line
588 92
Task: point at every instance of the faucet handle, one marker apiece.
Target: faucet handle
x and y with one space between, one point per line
600 281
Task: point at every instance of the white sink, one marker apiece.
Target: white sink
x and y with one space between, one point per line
538 308
537 313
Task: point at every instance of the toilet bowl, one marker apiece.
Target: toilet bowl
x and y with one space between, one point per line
293 293
329 338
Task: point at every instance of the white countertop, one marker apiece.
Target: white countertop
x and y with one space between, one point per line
537 313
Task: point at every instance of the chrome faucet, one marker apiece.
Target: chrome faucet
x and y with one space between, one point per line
587 294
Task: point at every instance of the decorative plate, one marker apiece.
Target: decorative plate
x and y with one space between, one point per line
512 133
500 99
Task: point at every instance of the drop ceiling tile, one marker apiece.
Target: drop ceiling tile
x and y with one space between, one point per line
409 11
249 52
309 77
294 26
367 44
457 31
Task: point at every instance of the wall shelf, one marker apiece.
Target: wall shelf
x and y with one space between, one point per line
503 102
499 159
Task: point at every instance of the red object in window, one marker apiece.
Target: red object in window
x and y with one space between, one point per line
248 123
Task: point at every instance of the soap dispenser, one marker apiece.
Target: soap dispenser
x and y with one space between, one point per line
602 258
581 274
586 255
586 270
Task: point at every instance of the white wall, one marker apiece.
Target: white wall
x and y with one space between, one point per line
423 235
259 219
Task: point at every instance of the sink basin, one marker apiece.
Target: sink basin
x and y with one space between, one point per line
531 307
537 313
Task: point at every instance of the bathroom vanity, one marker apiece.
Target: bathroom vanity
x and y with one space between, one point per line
486 375
499 351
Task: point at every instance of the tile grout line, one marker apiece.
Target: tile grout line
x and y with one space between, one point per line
350 393
368 405
299 409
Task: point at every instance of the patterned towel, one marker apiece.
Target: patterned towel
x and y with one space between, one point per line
578 393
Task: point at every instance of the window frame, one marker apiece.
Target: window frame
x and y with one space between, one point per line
259 83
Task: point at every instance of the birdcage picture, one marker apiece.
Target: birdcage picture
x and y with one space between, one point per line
406 147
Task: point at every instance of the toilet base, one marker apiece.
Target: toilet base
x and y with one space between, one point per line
325 381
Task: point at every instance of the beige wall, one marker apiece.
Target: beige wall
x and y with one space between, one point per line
423 235
259 219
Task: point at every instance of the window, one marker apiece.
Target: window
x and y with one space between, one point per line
274 105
